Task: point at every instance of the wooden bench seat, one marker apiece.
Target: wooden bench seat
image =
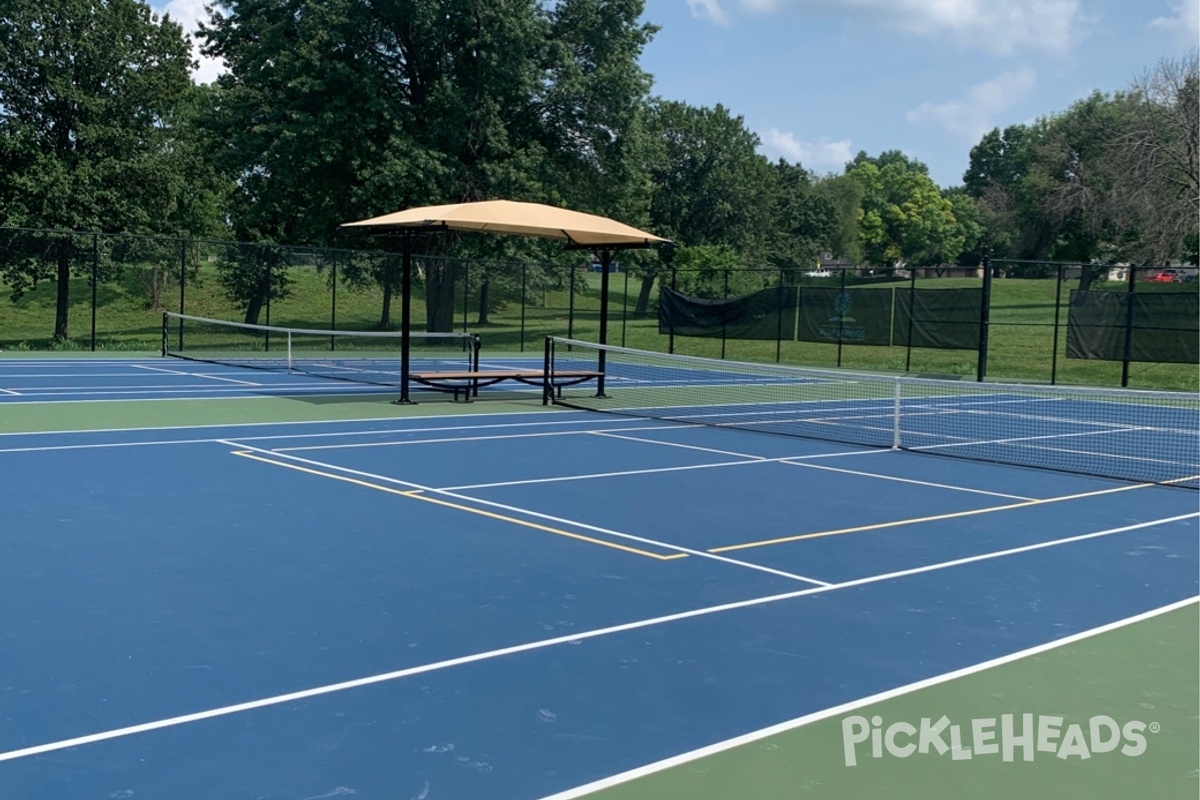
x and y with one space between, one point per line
467 382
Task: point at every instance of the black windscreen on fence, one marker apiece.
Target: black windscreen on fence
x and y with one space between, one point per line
851 316
767 314
1164 326
946 319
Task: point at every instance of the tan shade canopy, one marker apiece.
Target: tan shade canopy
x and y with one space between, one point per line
522 219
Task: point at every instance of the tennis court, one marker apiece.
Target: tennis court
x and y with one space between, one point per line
225 582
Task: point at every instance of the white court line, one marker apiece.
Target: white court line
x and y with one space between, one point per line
535 514
304 694
267 392
208 376
443 440
802 461
750 460
271 437
10 392
863 702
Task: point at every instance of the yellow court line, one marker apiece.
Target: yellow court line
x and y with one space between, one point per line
918 520
418 494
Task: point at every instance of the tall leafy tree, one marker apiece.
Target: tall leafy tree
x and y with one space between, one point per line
90 94
904 218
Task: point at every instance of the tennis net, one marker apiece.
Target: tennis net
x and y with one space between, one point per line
1151 437
371 357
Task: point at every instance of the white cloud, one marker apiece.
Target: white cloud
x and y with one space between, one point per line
710 10
823 155
189 14
972 116
999 27
1184 25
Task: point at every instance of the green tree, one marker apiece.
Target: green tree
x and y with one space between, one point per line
90 99
904 217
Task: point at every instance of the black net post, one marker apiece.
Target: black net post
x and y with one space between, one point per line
548 373
1057 322
606 258
95 280
985 306
165 333
405 317
1128 349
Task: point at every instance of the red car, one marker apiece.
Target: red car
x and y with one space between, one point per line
1162 277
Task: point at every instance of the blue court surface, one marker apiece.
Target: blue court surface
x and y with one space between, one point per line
485 606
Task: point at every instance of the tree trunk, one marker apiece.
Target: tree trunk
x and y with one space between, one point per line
255 306
1087 275
385 314
439 297
643 301
483 302
62 302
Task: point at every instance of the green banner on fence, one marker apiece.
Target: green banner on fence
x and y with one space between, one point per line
1164 326
769 314
851 316
946 319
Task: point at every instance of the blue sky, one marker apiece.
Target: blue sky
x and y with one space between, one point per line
820 80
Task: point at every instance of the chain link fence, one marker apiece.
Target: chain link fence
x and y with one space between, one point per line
1033 321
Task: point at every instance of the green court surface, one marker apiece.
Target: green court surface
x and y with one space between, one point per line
1144 671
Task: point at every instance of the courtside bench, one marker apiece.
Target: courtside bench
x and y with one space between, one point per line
467 383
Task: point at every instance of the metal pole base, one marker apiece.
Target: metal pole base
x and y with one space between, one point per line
404 401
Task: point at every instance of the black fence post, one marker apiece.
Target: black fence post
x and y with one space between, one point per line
95 280
267 333
841 317
467 293
1057 322
524 300
183 251
779 323
624 307
912 312
724 326
671 336
333 303
1128 349
571 302
985 306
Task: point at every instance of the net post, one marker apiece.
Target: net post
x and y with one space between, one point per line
476 344
548 373
985 307
165 333
896 415
841 317
606 258
289 351
405 317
